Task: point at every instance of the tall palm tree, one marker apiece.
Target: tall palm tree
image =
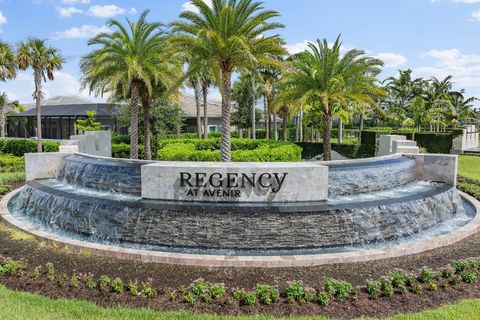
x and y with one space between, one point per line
8 64
322 78
230 36
127 61
44 60
6 106
462 108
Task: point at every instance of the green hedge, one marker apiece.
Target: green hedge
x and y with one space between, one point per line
470 186
243 150
19 147
312 149
9 163
122 150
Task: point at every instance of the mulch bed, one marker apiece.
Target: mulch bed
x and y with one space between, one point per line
172 276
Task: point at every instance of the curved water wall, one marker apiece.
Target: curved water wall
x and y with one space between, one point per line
374 201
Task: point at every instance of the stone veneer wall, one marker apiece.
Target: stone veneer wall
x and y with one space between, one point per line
234 227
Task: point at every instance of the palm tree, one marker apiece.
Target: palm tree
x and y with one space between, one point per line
8 64
229 36
6 107
462 109
127 61
322 78
44 60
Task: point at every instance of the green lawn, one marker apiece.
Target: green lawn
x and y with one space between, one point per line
469 166
23 306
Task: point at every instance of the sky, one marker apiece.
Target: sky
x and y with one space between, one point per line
431 37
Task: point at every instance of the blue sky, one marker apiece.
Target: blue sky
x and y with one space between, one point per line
432 37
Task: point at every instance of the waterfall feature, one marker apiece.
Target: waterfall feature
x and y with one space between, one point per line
98 200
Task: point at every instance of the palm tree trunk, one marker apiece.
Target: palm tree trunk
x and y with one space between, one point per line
267 116
312 134
134 121
225 146
361 129
2 121
275 128
196 89
146 124
340 130
304 135
284 127
254 102
300 126
205 108
38 100
327 137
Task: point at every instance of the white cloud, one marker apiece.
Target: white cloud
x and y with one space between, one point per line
476 15
451 57
392 60
132 11
3 19
65 84
75 1
188 6
297 47
84 31
68 11
459 1
105 11
465 68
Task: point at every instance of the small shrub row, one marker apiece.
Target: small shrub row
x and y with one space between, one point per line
19 147
470 186
399 282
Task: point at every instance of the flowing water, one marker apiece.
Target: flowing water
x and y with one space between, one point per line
375 204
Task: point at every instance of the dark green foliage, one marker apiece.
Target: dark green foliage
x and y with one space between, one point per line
337 288
468 276
267 294
244 150
4 189
90 123
117 285
417 288
50 271
19 147
426 275
89 281
147 290
434 142
74 281
455 280
295 291
12 268
470 186
374 289
386 286
447 273
312 149
398 281
246 298
104 283
323 298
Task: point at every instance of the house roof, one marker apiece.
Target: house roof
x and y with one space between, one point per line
188 105
60 100
75 106
72 110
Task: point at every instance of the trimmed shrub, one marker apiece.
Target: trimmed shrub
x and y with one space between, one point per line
470 186
19 147
312 149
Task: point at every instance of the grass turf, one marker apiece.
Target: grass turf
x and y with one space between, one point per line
469 166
